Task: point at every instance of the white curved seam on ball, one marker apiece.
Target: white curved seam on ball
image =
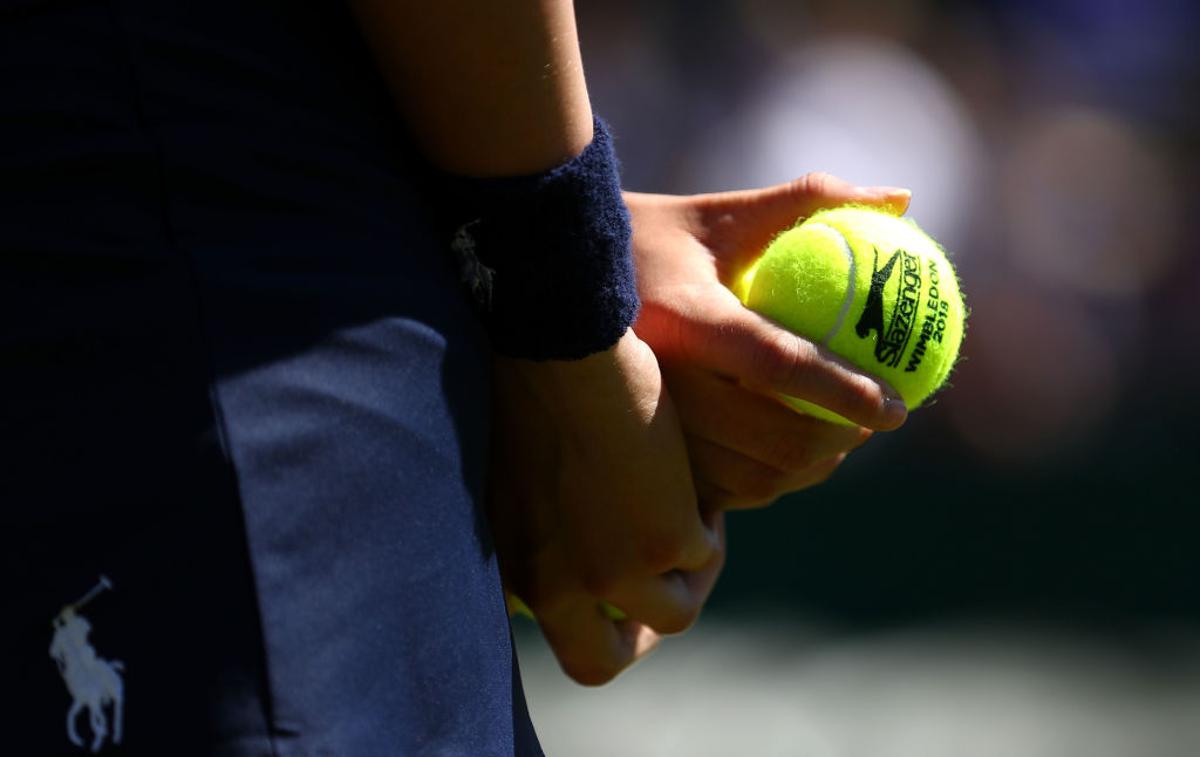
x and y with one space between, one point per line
853 276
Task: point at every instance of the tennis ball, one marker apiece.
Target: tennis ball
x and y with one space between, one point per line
870 286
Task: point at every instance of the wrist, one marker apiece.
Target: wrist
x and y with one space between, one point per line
625 373
547 258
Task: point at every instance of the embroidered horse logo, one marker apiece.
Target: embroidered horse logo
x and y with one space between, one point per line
94 683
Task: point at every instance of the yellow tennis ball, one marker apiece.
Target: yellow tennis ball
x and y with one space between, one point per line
870 286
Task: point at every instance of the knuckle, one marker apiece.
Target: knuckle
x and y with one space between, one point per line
814 183
865 393
768 358
859 397
782 358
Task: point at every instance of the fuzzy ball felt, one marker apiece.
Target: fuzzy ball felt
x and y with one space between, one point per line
871 287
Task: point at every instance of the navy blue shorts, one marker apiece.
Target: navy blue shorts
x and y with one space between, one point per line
245 404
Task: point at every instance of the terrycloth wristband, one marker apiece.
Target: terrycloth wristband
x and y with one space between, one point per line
547 257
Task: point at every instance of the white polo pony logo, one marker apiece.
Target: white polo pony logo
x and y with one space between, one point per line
94 683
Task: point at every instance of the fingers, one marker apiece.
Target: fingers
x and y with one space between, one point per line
727 338
760 214
659 598
591 648
672 602
665 603
818 190
728 480
746 449
593 502
660 591
762 428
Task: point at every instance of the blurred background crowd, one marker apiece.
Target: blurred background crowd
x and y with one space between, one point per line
1016 571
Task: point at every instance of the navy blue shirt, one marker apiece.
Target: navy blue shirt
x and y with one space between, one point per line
244 407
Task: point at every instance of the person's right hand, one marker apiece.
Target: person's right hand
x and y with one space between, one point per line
726 365
592 501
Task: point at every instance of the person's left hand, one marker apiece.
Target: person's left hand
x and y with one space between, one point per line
591 503
724 364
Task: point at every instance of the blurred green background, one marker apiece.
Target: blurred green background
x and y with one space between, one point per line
1047 501
1051 146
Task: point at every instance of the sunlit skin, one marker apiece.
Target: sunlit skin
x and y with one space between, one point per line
593 496
591 499
723 363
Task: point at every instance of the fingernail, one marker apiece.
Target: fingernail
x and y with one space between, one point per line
895 411
889 191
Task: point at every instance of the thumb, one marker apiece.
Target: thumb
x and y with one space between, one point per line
816 191
758 215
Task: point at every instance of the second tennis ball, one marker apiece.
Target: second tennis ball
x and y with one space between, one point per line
869 286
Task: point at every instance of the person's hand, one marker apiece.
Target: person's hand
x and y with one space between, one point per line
591 501
725 365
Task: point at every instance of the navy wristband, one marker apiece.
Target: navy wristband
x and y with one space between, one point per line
547 257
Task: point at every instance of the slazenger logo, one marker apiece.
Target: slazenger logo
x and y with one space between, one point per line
891 338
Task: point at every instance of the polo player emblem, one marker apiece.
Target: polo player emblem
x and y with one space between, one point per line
93 682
